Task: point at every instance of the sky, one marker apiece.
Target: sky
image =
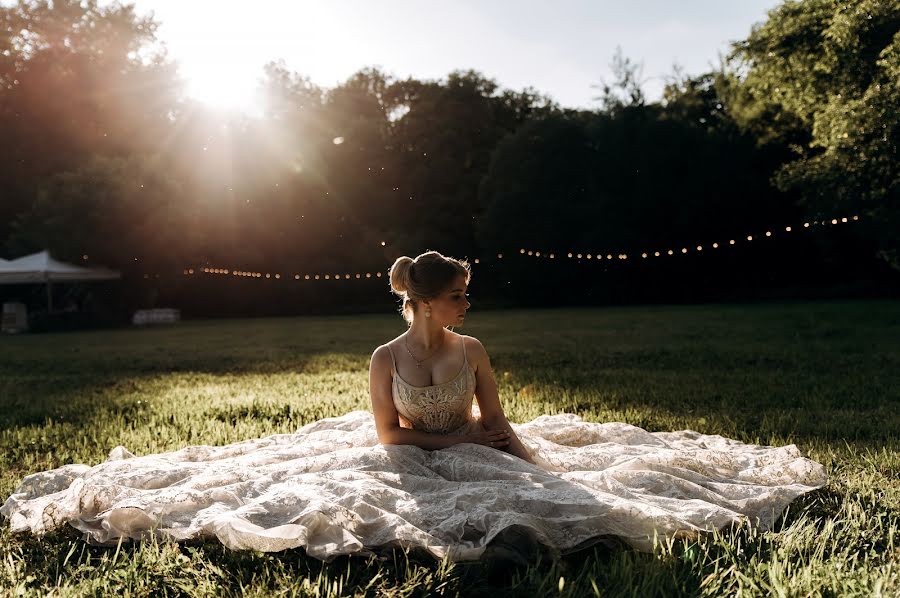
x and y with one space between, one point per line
560 48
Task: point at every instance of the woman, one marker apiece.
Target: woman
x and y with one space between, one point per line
427 468
413 408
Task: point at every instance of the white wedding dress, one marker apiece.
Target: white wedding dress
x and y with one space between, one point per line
332 489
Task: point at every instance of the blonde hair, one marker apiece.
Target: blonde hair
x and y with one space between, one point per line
425 277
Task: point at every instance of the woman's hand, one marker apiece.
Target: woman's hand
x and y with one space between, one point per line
497 439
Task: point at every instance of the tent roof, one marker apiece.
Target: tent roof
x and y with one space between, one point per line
40 267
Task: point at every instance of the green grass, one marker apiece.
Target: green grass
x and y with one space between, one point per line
825 376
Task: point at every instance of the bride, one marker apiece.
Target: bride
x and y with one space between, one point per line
426 468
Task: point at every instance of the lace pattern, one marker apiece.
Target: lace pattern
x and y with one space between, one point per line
332 489
440 408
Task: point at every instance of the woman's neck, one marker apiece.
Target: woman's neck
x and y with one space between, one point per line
426 336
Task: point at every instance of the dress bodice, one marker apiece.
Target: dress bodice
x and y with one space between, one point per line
438 408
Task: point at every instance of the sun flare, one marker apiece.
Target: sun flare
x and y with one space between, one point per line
224 89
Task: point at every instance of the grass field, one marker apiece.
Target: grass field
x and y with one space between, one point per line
825 376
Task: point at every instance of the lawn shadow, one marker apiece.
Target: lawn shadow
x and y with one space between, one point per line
37 399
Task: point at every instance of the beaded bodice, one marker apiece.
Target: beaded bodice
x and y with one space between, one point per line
437 408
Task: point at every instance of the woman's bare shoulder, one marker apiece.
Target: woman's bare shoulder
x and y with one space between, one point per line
473 346
394 342
469 339
381 354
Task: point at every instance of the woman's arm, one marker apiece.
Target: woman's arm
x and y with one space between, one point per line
515 447
492 415
427 441
387 420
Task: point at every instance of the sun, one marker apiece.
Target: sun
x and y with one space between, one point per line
218 58
222 52
221 88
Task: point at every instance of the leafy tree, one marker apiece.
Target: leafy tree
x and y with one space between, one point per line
822 76
634 176
441 142
124 213
626 88
76 79
539 189
696 100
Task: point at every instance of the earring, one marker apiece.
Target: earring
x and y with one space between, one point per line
427 312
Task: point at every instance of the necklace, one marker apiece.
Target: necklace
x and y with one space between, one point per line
419 362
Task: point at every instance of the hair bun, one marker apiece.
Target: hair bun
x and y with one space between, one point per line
399 274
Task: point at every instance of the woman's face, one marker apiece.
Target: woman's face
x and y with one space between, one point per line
449 308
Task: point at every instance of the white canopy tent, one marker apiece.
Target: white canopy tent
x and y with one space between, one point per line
41 268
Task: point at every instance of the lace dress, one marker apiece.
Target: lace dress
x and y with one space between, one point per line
439 408
332 489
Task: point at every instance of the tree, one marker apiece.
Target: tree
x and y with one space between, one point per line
822 76
76 79
626 88
539 189
128 214
442 144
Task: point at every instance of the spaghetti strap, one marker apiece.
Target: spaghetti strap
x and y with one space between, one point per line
392 359
465 359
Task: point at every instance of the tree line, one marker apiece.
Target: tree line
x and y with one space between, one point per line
104 156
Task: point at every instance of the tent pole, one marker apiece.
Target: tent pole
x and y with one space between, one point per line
49 298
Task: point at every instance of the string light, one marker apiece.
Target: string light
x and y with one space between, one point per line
522 251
